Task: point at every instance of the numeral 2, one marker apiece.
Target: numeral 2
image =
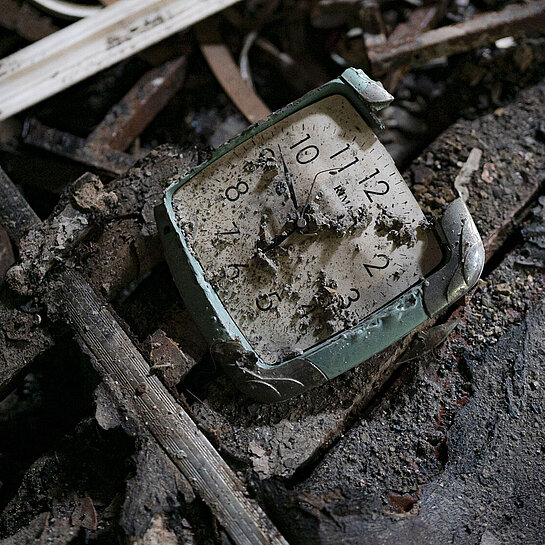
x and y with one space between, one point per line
368 192
369 267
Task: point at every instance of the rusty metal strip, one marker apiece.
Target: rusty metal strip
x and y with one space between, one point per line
225 69
127 119
93 44
104 147
483 29
75 148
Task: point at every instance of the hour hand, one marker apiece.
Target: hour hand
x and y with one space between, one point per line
288 230
289 182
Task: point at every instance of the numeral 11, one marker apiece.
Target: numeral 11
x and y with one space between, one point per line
346 148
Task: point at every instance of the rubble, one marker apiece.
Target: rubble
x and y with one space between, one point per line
418 444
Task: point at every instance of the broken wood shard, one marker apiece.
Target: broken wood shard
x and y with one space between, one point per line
483 29
76 148
127 119
93 44
104 147
225 69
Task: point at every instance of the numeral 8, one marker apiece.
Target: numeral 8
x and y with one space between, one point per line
233 192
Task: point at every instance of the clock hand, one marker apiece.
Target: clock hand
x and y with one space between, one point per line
289 181
307 202
277 240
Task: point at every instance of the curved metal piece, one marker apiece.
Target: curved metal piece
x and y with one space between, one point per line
67 10
265 384
371 92
465 261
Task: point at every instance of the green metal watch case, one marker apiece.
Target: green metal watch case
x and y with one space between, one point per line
461 268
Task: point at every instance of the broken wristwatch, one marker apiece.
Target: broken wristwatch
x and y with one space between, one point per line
301 251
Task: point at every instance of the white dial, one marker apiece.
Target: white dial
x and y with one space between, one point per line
305 229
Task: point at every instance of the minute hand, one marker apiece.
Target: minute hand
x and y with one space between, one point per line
309 195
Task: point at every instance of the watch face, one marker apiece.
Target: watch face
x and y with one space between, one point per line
305 229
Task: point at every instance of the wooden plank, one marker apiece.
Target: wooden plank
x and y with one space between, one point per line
16 217
21 338
76 148
514 20
92 44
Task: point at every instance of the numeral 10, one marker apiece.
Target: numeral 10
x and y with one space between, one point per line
310 152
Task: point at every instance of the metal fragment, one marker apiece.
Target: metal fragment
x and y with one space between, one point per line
425 342
464 177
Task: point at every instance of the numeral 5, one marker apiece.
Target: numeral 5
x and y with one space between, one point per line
264 302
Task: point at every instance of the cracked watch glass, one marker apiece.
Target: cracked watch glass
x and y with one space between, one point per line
305 229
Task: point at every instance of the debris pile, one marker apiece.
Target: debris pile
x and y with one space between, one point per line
115 418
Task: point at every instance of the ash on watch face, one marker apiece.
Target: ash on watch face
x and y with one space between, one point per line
305 229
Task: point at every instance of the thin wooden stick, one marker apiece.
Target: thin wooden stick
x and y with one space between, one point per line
169 423
119 361
92 44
